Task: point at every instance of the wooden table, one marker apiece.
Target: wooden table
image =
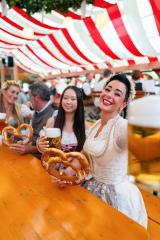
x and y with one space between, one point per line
33 208
152 204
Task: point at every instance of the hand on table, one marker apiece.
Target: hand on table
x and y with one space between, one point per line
22 148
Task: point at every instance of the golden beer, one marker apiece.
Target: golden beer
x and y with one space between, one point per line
144 142
54 142
54 137
2 122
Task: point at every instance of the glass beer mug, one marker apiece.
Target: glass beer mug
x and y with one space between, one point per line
54 137
144 142
2 121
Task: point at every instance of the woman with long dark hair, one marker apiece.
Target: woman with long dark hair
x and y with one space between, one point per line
70 120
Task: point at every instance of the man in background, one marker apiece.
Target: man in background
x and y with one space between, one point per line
102 81
100 84
136 77
43 109
87 85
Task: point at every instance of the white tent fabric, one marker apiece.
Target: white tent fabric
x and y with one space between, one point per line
116 33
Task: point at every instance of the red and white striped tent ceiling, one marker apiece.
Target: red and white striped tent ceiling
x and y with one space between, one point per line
112 33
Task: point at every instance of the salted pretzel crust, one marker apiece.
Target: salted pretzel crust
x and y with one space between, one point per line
17 133
53 156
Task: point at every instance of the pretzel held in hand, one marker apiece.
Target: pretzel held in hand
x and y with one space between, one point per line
55 156
12 135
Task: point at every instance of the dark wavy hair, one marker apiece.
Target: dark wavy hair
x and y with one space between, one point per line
79 122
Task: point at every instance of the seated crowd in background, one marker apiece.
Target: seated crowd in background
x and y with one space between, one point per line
42 101
142 84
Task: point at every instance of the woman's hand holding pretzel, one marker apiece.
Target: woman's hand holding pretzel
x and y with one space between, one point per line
59 182
11 134
74 171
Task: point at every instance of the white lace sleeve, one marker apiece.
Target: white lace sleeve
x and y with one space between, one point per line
26 112
120 134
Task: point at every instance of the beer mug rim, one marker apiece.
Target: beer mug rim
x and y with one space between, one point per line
52 132
2 115
144 112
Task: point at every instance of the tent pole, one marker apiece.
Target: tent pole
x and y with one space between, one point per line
15 72
2 72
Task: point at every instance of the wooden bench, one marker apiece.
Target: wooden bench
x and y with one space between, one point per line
152 204
140 94
96 93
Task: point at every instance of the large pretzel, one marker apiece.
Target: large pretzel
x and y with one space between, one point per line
12 135
53 156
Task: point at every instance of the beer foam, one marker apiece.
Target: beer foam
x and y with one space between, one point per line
145 112
52 132
2 115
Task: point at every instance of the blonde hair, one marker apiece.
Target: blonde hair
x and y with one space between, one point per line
16 113
9 83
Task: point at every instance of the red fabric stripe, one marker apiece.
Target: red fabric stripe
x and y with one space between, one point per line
31 19
24 68
40 34
97 38
73 15
7 48
155 4
116 19
19 49
47 50
21 68
108 64
153 59
102 4
14 44
115 16
31 58
38 56
18 26
61 49
96 67
11 23
130 62
22 64
83 68
71 42
14 35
